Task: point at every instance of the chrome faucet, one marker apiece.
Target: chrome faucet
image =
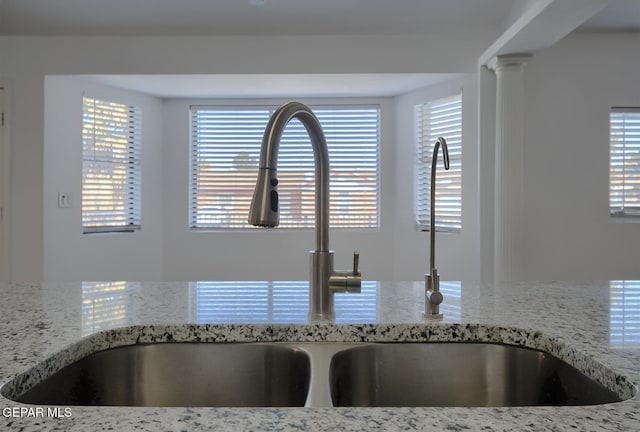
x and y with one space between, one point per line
323 280
433 296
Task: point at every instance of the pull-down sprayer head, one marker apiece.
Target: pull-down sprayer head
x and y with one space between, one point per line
264 210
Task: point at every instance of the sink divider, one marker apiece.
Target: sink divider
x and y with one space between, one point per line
320 355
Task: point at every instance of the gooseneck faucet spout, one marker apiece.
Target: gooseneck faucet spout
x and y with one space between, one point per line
433 296
264 211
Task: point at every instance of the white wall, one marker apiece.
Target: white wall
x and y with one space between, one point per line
25 61
68 253
457 254
570 88
396 251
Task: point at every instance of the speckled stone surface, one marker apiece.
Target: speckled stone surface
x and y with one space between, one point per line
593 326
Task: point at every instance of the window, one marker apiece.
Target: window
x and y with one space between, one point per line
441 117
225 151
624 162
111 170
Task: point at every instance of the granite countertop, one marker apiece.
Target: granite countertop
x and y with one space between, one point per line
595 326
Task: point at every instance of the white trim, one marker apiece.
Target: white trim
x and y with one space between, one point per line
5 184
541 24
508 170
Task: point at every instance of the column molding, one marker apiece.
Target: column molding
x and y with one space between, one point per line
509 62
509 165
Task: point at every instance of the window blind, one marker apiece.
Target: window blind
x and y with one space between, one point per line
111 167
441 117
624 162
225 152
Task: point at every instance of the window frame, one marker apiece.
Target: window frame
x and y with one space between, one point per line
131 193
337 207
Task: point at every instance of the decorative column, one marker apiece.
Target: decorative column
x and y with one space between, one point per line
509 166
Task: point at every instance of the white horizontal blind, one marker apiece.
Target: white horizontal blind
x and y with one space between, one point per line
111 166
225 152
441 117
624 162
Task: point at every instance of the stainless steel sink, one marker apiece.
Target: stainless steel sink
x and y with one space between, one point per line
180 374
458 375
315 374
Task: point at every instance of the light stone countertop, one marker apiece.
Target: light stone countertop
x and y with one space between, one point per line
595 326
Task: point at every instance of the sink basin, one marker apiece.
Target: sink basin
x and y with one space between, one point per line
458 375
313 374
180 374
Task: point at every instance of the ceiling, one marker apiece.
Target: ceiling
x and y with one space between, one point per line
279 17
621 15
223 86
249 17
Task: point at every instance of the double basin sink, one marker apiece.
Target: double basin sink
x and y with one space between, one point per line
318 374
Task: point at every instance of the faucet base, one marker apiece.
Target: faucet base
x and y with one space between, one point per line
320 296
324 282
319 318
